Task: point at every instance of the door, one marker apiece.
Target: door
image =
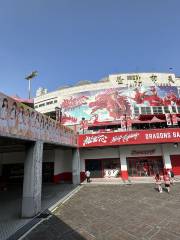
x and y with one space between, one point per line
145 166
95 167
175 162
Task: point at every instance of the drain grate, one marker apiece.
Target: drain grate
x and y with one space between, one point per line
44 215
19 233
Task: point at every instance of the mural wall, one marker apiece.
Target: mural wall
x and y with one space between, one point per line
111 104
21 120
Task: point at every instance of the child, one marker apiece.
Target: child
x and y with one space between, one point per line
167 182
158 182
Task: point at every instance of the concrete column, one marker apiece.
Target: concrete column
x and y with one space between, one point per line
32 185
75 166
123 161
166 157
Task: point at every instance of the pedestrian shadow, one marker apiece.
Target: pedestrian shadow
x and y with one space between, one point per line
163 189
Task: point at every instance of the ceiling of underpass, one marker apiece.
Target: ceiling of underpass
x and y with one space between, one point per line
18 145
12 145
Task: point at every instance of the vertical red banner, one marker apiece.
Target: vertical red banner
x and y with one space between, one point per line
168 119
123 122
174 119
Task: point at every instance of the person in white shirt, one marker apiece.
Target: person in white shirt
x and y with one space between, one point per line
87 173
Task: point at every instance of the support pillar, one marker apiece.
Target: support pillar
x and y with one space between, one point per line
75 166
166 157
123 161
32 185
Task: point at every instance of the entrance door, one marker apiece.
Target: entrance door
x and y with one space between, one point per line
145 166
47 172
175 162
95 167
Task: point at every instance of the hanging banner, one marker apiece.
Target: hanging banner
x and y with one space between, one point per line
168 119
174 119
123 122
84 125
129 124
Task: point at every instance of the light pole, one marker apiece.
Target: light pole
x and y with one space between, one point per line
29 78
58 114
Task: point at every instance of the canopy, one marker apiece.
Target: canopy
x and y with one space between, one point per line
156 120
153 120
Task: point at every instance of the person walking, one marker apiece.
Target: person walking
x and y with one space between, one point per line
88 176
158 180
172 177
167 182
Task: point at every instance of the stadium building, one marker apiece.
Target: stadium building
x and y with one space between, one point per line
127 124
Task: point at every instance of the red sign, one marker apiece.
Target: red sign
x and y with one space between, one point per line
130 137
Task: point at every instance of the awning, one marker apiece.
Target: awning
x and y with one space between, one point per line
153 120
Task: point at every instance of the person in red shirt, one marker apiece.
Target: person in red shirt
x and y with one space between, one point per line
167 182
158 180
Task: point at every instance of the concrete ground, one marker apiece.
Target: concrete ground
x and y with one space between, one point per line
114 212
10 205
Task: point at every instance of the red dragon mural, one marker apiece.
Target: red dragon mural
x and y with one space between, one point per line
110 100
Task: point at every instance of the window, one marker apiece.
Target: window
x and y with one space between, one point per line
55 101
48 103
36 106
157 110
173 109
160 110
119 80
136 111
146 110
42 104
166 110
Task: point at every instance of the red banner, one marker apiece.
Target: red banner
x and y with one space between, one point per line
130 137
168 118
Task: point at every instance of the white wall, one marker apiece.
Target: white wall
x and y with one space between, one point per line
63 161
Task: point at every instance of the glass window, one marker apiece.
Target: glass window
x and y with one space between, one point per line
166 110
42 104
160 110
155 110
48 103
173 109
146 110
136 110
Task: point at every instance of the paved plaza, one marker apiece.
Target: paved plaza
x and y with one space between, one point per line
114 212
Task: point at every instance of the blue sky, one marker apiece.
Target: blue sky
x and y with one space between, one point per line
72 40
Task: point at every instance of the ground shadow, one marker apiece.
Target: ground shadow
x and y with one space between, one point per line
54 228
